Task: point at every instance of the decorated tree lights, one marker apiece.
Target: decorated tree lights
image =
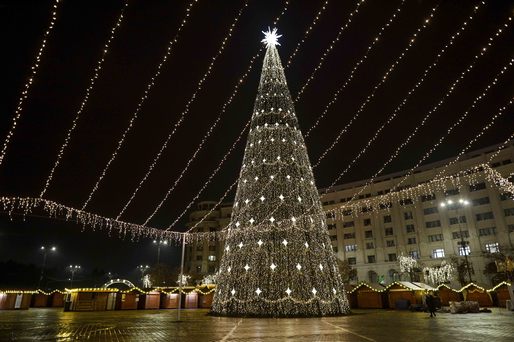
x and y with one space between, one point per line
278 259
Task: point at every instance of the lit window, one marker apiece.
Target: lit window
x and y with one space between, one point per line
464 250
212 258
350 248
438 253
492 247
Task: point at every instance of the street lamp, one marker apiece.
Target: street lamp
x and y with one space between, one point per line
463 244
159 243
143 269
73 269
45 250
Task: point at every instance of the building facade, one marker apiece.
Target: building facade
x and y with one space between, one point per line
371 241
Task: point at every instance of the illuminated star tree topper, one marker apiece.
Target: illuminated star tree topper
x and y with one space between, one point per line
271 37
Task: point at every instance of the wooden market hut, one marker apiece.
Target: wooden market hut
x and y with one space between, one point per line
40 300
447 295
475 293
189 298
91 299
403 294
150 300
370 296
502 293
205 296
128 300
351 295
57 299
15 299
169 300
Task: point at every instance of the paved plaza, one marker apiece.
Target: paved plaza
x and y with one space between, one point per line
197 326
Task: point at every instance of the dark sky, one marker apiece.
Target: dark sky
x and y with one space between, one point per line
74 48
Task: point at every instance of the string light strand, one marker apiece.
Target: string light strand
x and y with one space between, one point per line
182 117
384 78
458 122
235 91
32 76
142 100
329 49
89 89
357 65
306 33
448 93
397 110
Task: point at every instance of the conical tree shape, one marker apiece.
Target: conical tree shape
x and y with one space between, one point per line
278 259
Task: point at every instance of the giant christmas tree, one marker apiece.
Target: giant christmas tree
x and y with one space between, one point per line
278 259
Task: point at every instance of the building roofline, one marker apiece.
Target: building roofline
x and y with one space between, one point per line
426 167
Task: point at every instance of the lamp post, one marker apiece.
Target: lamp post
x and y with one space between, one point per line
463 244
159 243
143 269
45 250
73 269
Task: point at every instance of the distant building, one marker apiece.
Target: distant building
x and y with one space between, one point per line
371 241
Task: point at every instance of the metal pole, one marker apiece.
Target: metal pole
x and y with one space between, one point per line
42 269
463 243
71 281
158 252
181 276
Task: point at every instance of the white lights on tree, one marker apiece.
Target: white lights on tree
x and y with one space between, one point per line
280 221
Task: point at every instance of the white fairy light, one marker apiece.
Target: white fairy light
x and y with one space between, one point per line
240 136
458 122
273 266
373 92
305 35
89 89
331 46
182 116
450 90
260 242
284 242
393 115
30 80
142 100
288 291
208 134
258 291
246 267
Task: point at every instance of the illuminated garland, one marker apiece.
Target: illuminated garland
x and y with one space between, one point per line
142 100
383 202
329 49
26 88
393 115
384 78
177 124
434 108
89 89
54 210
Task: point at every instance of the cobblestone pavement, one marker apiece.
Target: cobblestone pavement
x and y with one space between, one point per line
197 326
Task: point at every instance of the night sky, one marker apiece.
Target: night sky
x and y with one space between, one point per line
74 48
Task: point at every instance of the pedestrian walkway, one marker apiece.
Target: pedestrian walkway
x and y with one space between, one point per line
196 325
